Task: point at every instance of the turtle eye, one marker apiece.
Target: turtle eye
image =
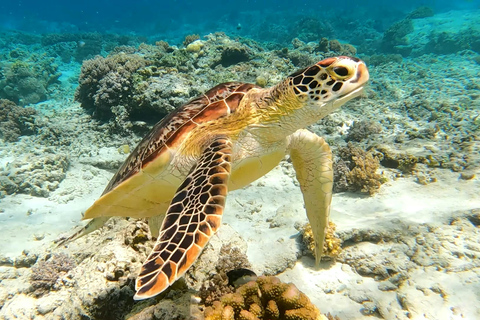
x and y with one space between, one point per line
340 72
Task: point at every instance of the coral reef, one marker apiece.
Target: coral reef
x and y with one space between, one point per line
421 12
404 162
217 285
334 47
15 121
395 38
82 46
45 273
25 260
265 298
363 129
332 245
233 55
379 59
448 42
148 82
300 58
190 38
26 80
108 82
356 170
311 29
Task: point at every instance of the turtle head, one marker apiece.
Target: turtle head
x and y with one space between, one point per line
330 83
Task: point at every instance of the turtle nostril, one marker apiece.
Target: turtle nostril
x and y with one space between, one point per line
341 71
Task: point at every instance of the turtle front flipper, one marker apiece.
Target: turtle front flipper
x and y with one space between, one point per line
312 160
193 216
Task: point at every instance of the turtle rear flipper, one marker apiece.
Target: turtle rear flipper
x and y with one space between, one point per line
193 216
92 225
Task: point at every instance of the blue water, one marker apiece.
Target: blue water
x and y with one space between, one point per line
419 114
173 19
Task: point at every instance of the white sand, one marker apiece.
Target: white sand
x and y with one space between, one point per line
265 213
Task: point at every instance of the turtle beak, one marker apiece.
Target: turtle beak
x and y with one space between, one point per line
349 96
359 80
362 75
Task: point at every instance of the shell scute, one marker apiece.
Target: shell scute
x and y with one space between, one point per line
222 91
214 111
233 100
217 102
244 87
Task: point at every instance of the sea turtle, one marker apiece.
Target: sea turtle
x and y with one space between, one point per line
179 174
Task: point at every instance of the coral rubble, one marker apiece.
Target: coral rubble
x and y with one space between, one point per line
46 273
34 174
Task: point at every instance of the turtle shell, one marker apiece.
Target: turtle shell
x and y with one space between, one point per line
138 188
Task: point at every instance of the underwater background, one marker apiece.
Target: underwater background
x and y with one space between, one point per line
81 83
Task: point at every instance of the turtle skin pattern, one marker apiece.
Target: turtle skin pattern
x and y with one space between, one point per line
193 217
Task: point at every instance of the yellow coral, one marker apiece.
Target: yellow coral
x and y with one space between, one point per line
124 149
235 300
271 311
332 246
195 46
363 167
228 313
261 81
273 300
247 315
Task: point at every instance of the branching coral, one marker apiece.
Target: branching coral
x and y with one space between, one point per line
265 298
142 86
363 129
46 273
15 121
190 38
356 171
